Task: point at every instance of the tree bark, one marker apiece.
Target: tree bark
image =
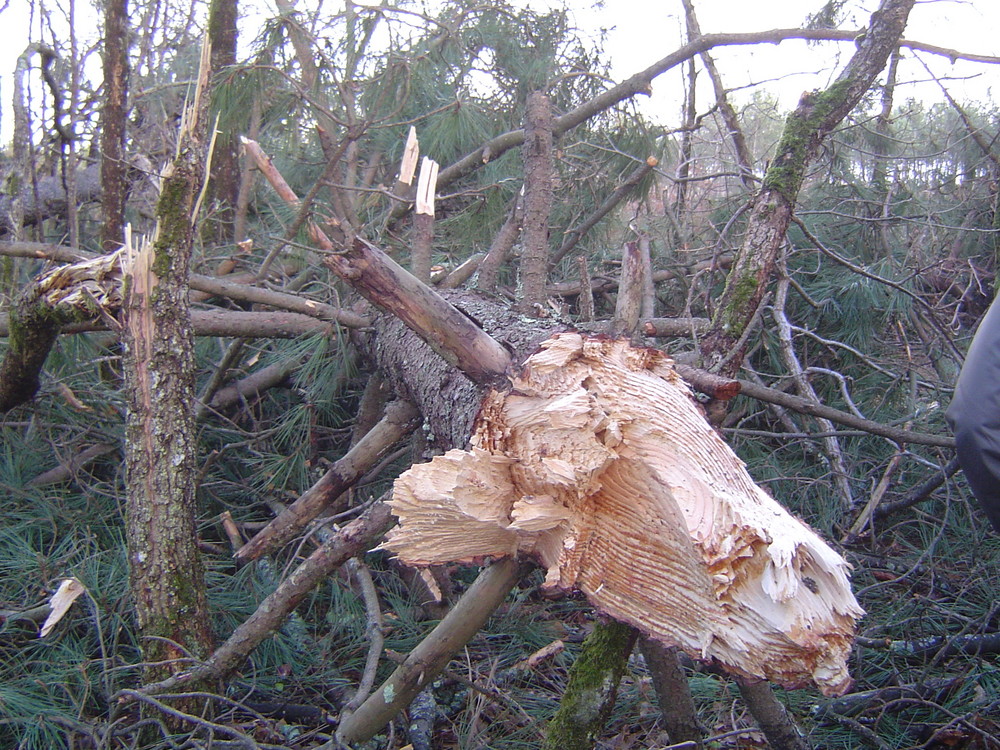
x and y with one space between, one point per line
673 693
427 660
593 679
224 187
817 114
537 203
166 575
114 116
68 294
772 717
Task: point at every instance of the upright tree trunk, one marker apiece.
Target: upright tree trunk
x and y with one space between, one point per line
114 183
167 579
594 679
537 202
224 189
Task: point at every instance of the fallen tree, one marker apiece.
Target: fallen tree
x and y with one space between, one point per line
598 463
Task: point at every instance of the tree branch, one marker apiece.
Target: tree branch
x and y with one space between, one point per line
351 540
400 419
640 83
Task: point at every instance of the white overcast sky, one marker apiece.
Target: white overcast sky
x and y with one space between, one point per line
643 31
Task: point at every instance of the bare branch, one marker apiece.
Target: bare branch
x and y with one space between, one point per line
400 419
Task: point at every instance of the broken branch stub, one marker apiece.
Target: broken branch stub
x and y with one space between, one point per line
599 464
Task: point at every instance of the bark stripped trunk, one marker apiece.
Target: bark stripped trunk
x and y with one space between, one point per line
643 508
166 575
817 114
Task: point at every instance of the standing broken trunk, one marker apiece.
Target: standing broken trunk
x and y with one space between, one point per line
166 576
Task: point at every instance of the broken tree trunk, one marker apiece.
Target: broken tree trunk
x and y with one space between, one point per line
599 464
165 571
592 689
68 294
595 460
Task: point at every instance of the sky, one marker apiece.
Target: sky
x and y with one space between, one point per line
639 32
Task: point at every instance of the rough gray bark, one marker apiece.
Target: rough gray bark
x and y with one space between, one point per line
166 575
448 400
537 203
224 186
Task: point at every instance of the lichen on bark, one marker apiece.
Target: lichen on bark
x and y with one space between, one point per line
593 686
166 573
817 114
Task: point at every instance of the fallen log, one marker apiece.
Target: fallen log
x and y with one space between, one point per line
598 463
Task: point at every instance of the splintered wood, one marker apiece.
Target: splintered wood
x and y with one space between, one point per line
599 464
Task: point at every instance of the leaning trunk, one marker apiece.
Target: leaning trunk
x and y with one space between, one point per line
817 114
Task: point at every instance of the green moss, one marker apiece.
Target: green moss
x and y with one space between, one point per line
593 686
803 129
734 318
173 214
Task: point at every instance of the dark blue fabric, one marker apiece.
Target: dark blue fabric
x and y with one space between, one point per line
974 415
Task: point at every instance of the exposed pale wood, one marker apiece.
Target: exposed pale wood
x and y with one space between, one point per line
209 285
408 165
67 294
270 172
425 186
422 238
642 507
